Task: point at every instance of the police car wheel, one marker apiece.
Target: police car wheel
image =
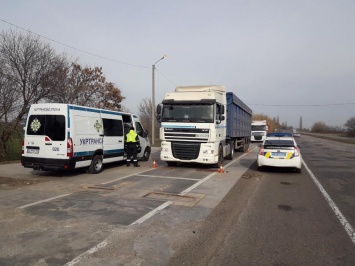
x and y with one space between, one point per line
96 165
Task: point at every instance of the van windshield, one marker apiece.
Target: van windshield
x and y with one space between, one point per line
52 126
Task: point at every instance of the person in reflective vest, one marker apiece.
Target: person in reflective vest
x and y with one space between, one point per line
131 144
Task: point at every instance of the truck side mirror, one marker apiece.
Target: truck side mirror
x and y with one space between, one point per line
222 117
159 107
222 110
159 118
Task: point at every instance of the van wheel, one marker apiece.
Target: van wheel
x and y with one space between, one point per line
146 154
96 165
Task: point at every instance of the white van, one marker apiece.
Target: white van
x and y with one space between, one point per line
65 136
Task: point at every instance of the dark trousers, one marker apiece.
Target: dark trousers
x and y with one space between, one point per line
132 152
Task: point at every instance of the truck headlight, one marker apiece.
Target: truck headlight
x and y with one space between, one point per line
164 149
208 152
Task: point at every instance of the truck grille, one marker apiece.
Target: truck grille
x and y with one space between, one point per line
185 151
186 134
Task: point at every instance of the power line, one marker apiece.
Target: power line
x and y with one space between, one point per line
77 49
166 77
72 47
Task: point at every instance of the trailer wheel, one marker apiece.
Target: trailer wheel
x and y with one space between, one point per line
230 156
96 165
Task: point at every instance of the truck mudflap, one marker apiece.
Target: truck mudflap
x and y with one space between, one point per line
48 164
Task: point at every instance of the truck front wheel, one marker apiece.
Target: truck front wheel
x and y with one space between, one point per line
220 157
231 154
96 165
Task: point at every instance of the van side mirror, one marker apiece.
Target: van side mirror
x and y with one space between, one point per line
145 133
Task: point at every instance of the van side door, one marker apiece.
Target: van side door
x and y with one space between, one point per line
113 136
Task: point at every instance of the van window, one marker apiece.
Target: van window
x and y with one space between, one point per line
112 127
139 129
52 126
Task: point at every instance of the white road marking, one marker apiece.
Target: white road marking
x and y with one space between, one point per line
120 178
208 177
90 251
151 213
170 177
347 226
41 201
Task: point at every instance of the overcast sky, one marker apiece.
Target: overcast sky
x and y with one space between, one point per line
282 58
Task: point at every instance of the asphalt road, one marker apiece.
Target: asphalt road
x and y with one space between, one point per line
278 217
186 215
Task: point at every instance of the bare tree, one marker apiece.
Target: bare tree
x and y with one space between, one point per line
85 86
145 116
29 66
8 97
350 126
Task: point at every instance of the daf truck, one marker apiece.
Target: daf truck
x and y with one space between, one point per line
259 130
202 124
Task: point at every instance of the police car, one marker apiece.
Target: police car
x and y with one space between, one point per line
279 152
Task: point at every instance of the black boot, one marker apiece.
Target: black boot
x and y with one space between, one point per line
128 164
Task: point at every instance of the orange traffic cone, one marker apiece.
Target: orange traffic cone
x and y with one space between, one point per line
154 164
221 169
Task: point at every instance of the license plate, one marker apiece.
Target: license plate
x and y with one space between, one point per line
279 154
33 151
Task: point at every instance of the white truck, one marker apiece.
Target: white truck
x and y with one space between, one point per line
202 124
61 136
259 130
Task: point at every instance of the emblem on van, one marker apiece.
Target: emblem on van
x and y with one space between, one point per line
97 126
35 125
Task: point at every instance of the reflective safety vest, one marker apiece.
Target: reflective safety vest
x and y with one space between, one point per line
131 136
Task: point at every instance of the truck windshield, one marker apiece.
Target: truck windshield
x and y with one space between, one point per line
258 128
193 113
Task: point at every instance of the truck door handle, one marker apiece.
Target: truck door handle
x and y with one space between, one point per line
101 135
48 143
120 141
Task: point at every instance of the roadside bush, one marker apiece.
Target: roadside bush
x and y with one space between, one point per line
13 146
350 127
319 127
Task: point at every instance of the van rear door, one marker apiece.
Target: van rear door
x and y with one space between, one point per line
45 136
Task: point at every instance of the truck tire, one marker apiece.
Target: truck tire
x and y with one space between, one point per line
220 157
230 156
146 154
96 165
